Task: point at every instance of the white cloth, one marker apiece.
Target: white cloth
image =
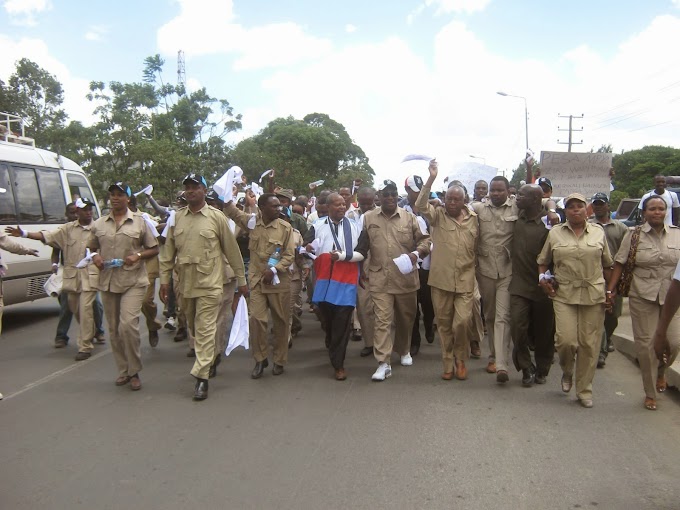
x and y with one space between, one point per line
225 184
169 223
416 157
86 261
404 263
151 223
240 329
676 275
671 200
266 173
276 279
252 221
325 243
147 191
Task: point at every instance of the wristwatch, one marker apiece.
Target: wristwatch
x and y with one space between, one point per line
139 255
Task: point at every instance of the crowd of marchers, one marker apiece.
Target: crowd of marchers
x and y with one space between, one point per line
504 265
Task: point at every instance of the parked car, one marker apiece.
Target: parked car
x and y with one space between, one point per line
626 206
635 216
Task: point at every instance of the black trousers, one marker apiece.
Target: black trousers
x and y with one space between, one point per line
337 321
425 302
533 319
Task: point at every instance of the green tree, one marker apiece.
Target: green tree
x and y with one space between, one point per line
302 151
634 171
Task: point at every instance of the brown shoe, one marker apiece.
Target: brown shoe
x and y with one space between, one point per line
447 376
502 376
661 384
277 370
491 367
135 383
60 343
340 374
475 351
567 382
122 380
461 370
82 356
153 338
99 339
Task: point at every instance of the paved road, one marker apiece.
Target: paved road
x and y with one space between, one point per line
71 439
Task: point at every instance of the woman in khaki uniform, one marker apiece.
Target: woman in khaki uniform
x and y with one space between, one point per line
123 235
579 253
657 255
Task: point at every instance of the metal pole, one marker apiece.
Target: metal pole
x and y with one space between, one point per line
526 122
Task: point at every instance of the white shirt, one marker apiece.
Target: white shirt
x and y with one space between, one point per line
671 200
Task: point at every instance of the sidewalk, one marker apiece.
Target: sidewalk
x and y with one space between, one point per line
623 341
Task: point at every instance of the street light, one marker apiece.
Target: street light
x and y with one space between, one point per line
479 157
526 114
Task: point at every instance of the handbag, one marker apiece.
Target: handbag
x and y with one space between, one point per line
623 287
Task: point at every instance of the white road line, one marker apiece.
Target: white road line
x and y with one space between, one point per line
56 374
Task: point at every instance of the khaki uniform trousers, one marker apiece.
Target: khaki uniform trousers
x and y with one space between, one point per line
149 308
122 311
645 316
179 308
224 317
496 296
201 314
454 316
260 305
365 313
398 310
476 332
81 305
578 333
294 324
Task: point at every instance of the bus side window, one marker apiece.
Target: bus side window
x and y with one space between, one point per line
27 195
78 186
52 195
8 213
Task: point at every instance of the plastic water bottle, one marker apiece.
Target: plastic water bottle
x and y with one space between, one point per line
274 257
110 264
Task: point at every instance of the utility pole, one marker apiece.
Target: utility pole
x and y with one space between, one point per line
570 129
181 73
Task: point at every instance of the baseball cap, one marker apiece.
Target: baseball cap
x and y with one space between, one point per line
574 196
212 195
387 184
413 183
180 196
544 180
195 178
601 197
121 186
82 203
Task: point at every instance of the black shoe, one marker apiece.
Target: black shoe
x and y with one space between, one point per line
259 368
366 351
539 378
191 353
277 370
181 335
415 349
610 346
201 389
82 356
601 361
153 338
429 337
213 368
528 377
356 335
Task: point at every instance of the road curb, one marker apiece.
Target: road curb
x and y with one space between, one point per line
624 344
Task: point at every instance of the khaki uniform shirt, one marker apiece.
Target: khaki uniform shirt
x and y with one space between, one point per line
655 261
528 240
197 245
614 231
453 257
10 245
72 239
295 271
578 263
117 242
496 225
264 239
388 238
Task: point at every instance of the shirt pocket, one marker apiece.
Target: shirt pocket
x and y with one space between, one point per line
674 254
205 273
180 238
210 243
131 245
405 237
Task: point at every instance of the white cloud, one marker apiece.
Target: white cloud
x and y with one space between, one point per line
96 33
457 6
22 12
272 45
350 29
75 88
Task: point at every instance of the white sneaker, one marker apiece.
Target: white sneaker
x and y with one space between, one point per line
171 324
384 371
0 396
407 360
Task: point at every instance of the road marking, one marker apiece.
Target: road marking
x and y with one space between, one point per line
56 374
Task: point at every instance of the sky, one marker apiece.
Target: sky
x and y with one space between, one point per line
413 76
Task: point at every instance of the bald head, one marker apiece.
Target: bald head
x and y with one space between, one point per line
529 196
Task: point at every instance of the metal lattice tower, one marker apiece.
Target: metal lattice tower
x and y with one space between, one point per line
181 72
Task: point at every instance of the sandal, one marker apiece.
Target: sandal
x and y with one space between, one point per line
650 404
661 384
122 380
135 383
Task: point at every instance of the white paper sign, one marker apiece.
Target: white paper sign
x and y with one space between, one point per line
577 172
